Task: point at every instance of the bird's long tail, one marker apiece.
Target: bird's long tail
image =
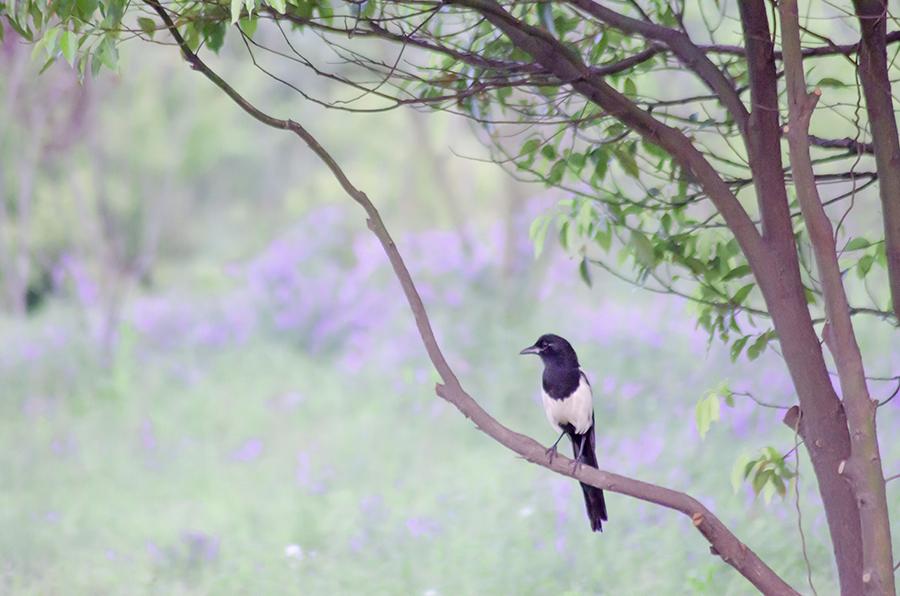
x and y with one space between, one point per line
593 496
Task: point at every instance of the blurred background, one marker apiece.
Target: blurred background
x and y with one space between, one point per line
211 383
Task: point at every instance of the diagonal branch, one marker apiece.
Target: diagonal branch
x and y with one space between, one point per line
721 539
681 45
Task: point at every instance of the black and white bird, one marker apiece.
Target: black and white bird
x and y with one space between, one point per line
569 405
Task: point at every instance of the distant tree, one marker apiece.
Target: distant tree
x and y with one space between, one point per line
682 133
40 120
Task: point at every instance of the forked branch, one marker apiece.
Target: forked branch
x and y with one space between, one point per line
864 466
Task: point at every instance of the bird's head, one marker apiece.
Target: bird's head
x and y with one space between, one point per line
553 350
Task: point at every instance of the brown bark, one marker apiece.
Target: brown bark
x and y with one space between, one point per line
864 466
723 542
876 84
824 430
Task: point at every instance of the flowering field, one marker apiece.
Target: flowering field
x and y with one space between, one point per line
281 434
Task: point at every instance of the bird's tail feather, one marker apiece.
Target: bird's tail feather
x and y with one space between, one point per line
593 496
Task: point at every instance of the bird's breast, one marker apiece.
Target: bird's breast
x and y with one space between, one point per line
577 409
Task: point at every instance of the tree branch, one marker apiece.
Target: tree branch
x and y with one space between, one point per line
864 466
851 145
567 66
681 45
876 84
765 134
828 50
722 541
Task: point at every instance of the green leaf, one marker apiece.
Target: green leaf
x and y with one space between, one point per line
236 6
324 9
545 14
864 265
107 54
706 412
630 88
23 31
49 40
737 347
576 161
214 34
548 151
585 273
759 481
830 82
538 233
604 237
643 249
68 45
585 217
248 26
742 294
556 172
86 9
600 157
148 26
279 5
564 235
114 11
737 273
857 243
627 161
530 146
758 346
38 47
780 487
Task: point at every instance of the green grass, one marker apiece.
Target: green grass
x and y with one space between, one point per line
385 489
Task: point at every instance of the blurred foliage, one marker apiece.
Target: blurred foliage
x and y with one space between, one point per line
630 207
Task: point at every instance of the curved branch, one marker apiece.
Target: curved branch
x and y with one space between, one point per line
723 542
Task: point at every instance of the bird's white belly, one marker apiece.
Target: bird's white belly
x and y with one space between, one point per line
577 409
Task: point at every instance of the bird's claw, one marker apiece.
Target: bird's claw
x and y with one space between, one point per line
575 464
550 453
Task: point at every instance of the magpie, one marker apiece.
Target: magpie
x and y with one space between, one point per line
569 405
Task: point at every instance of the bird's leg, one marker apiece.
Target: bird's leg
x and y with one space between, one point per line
551 452
577 459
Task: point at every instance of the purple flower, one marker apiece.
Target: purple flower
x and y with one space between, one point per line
250 450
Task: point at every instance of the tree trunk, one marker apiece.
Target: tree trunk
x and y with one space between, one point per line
824 427
876 84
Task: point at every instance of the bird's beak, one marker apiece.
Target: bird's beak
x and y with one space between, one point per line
531 350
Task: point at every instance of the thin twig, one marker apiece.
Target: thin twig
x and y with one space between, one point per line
809 578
